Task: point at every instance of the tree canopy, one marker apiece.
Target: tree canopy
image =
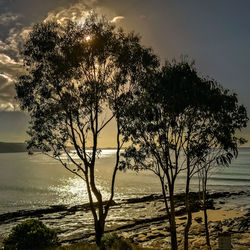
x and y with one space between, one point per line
78 79
174 121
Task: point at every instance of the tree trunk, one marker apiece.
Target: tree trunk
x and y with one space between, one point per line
189 214
99 219
99 231
205 216
170 214
174 245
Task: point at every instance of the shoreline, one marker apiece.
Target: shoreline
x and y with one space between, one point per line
19 214
142 220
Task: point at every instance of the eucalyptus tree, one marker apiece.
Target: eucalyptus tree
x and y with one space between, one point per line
212 161
220 141
211 137
156 123
77 80
173 120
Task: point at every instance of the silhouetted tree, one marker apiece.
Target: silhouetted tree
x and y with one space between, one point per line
155 122
212 139
169 122
77 80
213 160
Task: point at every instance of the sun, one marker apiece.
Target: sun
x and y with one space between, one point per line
88 38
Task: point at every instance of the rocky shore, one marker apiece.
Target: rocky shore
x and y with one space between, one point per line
143 221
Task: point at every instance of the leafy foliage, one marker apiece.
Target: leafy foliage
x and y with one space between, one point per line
178 110
30 234
174 120
74 87
112 241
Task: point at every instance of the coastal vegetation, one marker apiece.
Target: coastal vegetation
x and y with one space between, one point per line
80 77
77 80
31 234
179 122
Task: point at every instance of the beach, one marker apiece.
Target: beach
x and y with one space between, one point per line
37 187
143 221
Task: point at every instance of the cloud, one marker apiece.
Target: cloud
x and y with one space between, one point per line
76 13
5 59
12 37
7 92
9 70
15 32
4 79
117 18
15 26
7 107
7 18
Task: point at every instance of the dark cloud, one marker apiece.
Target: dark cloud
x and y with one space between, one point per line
8 18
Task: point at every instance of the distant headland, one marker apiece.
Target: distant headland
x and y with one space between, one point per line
12 147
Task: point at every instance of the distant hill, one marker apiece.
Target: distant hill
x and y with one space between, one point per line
12 147
15 147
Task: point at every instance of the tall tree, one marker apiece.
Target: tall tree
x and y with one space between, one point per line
212 139
77 78
212 161
174 120
155 122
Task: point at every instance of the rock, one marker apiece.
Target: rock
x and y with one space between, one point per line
197 230
225 229
244 224
218 226
160 233
183 218
151 236
142 239
198 242
198 219
148 198
125 235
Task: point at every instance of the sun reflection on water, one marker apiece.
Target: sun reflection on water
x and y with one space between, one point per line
73 191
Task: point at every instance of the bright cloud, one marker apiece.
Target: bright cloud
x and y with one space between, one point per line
16 32
7 107
6 59
76 13
117 18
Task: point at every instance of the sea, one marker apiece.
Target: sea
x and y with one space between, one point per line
38 181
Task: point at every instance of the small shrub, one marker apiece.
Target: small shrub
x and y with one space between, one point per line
31 234
112 241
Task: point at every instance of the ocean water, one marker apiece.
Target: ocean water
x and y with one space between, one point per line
37 181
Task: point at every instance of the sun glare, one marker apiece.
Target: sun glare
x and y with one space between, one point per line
87 38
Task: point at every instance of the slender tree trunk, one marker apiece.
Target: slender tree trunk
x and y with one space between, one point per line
174 245
199 178
171 215
189 214
205 213
99 219
99 230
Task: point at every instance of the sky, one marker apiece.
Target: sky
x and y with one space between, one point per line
214 33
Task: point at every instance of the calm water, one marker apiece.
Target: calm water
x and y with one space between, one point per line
29 182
